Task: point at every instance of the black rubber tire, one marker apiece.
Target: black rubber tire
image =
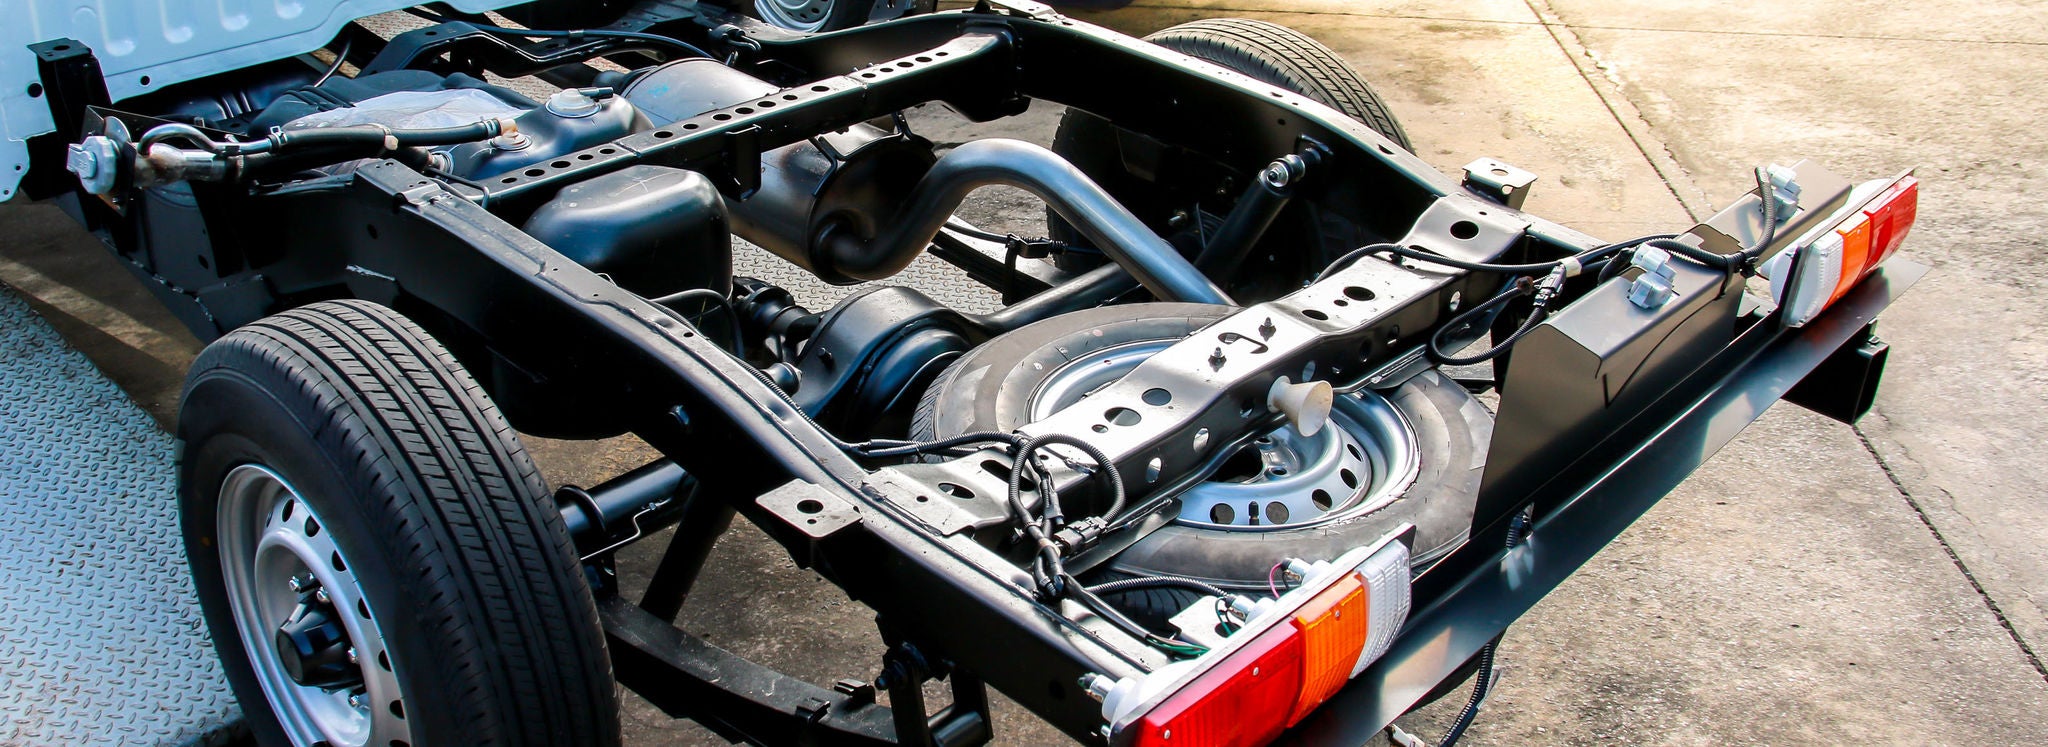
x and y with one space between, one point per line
1267 52
429 492
1281 56
990 388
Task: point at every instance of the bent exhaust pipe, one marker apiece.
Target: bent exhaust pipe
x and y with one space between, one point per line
1070 193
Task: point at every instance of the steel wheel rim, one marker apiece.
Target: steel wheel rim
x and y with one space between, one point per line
267 535
795 15
1366 460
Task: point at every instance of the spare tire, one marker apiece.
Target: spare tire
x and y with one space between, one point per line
1429 479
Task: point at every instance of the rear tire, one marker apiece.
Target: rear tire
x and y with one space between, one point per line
1267 52
339 443
1281 56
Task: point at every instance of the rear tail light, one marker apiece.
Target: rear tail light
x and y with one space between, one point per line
1827 262
1291 655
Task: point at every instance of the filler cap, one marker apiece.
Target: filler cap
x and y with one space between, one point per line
576 103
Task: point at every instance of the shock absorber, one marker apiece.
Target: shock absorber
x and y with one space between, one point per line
1256 209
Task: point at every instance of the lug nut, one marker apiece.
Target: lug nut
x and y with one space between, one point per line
321 596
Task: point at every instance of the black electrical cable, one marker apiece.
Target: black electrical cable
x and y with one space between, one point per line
1103 609
339 58
575 34
1744 260
1584 258
1613 267
1153 582
1768 191
1047 565
911 448
1723 262
1605 259
1116 481
1522 287
732 318
1482 682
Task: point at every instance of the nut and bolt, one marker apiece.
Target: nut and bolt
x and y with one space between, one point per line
1097 686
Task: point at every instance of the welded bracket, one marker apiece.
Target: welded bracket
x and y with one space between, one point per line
71 84
810 509
1467 228
1500 182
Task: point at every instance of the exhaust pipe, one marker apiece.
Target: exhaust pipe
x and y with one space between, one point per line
860 204
1069 192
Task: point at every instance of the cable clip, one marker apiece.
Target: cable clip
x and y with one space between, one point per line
1653 288
1024 248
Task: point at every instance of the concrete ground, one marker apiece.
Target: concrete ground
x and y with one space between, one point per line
1814 583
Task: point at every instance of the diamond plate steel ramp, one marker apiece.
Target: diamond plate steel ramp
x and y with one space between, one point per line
101 639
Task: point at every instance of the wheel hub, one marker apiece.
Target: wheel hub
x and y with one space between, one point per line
304 622
1281 479
313 646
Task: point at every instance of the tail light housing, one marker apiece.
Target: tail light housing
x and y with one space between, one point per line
1294 653
1830 260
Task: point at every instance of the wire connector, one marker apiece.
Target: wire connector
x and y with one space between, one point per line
1080 536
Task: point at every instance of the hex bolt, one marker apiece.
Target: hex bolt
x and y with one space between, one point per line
320 595
352 656
1216 359
300 583
1276 175
1097 686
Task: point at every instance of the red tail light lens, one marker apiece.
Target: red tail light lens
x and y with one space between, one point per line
1900 206
1817 273
1294 654
1239 703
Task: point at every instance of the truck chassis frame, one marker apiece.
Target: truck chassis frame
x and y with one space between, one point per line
437 253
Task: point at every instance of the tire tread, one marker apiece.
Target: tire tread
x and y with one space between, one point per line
1286 58
498 581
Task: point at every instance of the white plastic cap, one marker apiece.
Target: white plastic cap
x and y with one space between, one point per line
1306 405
